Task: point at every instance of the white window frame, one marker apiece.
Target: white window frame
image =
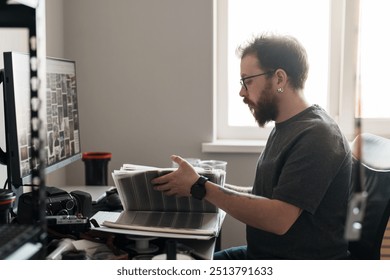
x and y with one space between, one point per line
223 130
343 67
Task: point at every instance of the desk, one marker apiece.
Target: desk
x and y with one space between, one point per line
96 192
203 247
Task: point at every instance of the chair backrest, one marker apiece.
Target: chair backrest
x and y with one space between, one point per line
375 162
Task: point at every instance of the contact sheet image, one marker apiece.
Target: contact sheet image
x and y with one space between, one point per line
150 210
137 193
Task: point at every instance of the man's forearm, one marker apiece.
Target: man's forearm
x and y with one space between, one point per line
241 189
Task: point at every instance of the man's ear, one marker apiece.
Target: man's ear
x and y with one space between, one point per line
281 78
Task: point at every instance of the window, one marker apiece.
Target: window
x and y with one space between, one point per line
329 31
374 57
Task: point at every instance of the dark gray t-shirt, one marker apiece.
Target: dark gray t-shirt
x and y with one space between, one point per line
307 163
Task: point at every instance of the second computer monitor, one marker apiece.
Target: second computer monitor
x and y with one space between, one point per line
59 112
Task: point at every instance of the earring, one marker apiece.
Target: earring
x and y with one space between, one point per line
280 90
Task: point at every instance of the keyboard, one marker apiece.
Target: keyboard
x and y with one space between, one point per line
20 242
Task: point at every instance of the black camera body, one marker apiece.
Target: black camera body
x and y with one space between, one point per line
58 203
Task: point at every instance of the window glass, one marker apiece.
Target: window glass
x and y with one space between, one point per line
307 20
374 58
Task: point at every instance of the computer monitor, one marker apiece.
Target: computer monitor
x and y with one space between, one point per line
59 114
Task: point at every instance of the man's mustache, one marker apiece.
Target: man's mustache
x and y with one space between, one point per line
248 102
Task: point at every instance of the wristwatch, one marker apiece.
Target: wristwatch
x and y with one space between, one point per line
198 190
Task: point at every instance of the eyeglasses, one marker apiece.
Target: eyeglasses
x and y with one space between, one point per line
242 80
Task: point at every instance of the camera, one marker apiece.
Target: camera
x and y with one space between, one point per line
58 203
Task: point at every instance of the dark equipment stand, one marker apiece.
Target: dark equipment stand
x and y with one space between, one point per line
22 16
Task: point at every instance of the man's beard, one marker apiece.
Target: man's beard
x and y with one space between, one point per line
265 109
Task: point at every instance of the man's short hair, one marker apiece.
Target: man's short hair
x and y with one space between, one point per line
279 52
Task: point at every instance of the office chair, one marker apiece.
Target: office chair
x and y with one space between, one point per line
375 161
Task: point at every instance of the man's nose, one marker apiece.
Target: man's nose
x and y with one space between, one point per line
243 92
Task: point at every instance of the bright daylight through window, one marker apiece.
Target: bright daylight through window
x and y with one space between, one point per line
327 29
251 17
243 19
374 58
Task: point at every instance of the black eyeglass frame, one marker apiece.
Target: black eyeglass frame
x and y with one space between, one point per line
242 80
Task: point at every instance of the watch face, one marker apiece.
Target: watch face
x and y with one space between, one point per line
198 191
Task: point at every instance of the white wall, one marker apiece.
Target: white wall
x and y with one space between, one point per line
55 48
144 83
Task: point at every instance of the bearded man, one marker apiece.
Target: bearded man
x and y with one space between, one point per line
298 203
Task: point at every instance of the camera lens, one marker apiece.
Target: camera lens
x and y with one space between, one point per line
69 204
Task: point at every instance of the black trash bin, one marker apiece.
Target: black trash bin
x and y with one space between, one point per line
96 164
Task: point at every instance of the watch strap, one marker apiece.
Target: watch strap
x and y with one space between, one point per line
201 180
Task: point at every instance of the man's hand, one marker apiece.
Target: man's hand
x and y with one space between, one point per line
178 182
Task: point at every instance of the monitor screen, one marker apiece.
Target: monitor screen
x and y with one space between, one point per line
58 112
